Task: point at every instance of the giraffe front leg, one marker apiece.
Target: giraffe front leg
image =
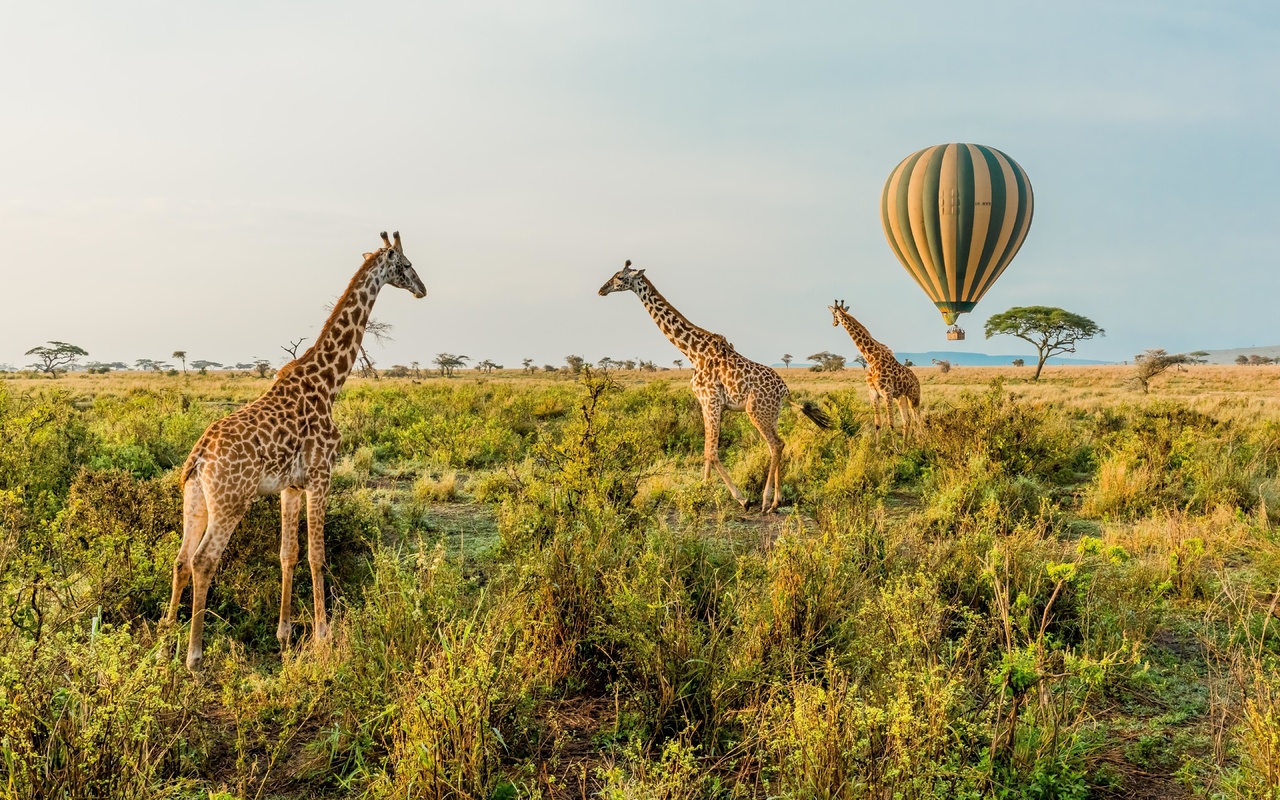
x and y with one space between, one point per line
290 507
711 450
317 496
875 411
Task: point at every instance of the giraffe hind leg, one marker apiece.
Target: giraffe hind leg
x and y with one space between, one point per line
223 519
195 519
767 424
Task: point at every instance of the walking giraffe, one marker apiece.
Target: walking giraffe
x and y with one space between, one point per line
284 442
722 379
886 378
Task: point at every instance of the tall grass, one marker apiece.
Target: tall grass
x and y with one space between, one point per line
1060 590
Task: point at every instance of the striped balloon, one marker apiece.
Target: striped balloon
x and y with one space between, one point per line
955 216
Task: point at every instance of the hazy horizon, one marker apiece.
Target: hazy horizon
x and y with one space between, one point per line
206 178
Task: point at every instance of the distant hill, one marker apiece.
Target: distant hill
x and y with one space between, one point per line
961 359
1229 356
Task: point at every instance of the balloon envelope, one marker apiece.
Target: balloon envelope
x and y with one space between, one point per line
955 216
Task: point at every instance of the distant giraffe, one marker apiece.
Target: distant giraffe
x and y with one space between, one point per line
284 442
886 378
722 379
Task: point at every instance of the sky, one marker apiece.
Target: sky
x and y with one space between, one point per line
205 177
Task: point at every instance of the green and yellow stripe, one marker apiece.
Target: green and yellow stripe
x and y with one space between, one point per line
955 216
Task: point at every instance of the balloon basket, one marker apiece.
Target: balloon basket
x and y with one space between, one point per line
955 334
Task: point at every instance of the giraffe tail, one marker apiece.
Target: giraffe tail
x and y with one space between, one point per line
193 461
810 409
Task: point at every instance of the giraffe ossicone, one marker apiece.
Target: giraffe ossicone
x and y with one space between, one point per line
722 380
282 443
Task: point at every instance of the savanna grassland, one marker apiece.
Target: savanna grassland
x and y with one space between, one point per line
1059 590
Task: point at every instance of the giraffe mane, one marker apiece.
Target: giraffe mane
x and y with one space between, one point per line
338 305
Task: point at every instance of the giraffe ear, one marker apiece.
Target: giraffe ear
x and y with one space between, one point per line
638 273
368 256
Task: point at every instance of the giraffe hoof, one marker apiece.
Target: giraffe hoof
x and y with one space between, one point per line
194 659
282 634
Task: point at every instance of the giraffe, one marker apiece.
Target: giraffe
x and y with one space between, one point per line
282 443
886 378
722 379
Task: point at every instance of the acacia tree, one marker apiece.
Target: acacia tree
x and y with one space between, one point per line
944 366
58 357
1051 330
679 362
181 355
448 363
787 358
1155 361
576 363
204 365
827 361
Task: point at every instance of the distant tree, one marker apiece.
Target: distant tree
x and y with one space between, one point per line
204 366
550 368
862 362
826 361
787 358
398 371
1242 359
1257 360
292 347
448 363
1017 362
417 371
58 356
181 355
576 363
1199 356
243 365
944 366
628 364
8 368
1051 330
648 366
263 368
487 366
679 362
528 365
150 365
93 368
605 363
907 363
1155 361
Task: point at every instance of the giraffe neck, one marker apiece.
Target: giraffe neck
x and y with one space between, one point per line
686 336
330 359
869 347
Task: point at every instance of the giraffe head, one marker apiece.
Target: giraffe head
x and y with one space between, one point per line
837 311
399 272
624 280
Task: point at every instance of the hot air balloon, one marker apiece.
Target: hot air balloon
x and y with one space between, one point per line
955 216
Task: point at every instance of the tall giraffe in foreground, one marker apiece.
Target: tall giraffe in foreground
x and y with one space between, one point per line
886 378
722 379
284 442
